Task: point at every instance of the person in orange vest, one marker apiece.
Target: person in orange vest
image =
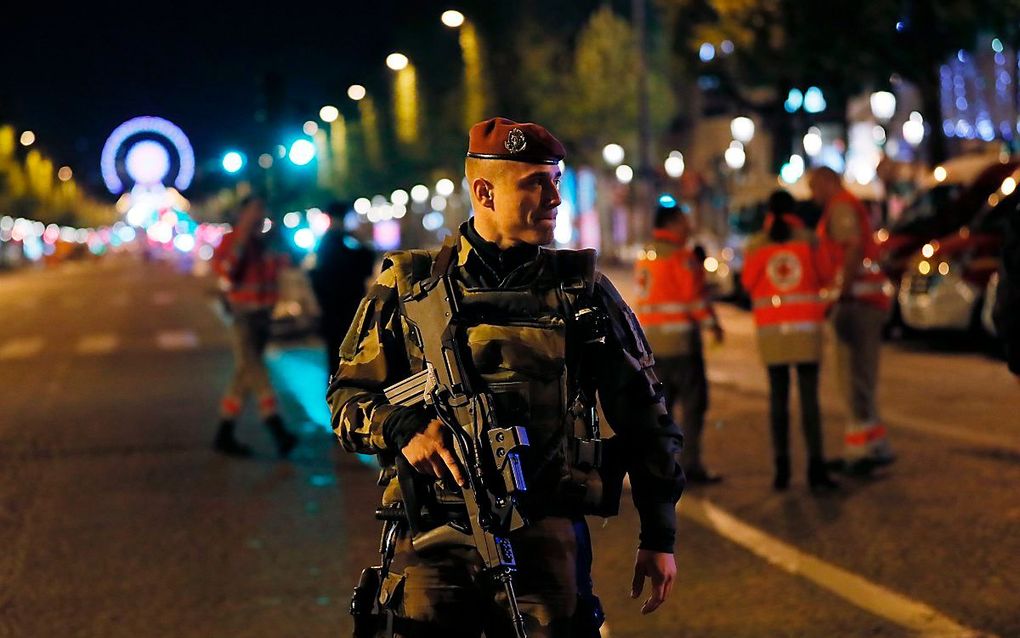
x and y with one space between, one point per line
249 269
673 306
860 311
785 275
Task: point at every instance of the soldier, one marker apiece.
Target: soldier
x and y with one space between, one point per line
860 312
526 346
249 268
673 307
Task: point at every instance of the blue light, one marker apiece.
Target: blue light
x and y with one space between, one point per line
304 238
233 162
794 100
814 100
949 128
706 52
727 47
961 103
667 201
961 55
900 26
302 152
997 45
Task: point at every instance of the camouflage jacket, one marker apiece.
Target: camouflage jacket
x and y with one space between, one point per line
377 352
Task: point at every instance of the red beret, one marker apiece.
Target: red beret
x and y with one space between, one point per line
500 138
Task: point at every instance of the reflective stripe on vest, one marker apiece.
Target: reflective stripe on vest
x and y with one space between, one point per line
667 308
790 327
776 301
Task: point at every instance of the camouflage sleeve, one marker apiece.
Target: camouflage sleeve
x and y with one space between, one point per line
631 399
373 356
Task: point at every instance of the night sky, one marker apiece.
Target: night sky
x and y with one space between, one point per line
73 73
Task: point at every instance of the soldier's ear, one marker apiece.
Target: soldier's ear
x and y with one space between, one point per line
483 193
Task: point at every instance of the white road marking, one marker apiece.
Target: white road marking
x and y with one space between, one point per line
163 298
177 340
97 344
21 348
871 597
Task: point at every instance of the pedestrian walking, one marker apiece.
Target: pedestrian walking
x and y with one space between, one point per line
861 309
785 275
249 268
673 308
342 264
539 335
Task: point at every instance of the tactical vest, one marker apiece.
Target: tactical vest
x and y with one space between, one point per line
528 347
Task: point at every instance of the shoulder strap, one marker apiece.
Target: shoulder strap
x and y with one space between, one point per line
575 270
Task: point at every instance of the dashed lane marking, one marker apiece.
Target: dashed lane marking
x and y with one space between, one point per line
873 598
177 340
21 348
97 344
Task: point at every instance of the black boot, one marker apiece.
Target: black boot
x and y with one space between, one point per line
818 477
285 441
225 443
782 478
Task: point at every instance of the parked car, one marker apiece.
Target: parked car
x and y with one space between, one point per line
947 281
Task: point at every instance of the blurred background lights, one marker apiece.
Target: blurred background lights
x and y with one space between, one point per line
184 242
794 100
301 152
420 193
444 187
362 205
310 128
399 197
734 156
292 219
813 141
356 92
814 100
396 61
624 173
667 201
674 164
913 129
883 105
742 129
433 220
304 238
329 113
612 154
65 173
233 162
706 52
265 160
153 127
438 202
452 19
27 138
147 162
792 170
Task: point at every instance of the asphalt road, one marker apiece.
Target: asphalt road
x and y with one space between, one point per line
116 519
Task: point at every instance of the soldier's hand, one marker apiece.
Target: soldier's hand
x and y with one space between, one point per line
429 453
661 568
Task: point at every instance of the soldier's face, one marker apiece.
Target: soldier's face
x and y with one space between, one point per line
525 202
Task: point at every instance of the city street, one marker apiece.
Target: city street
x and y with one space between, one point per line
117 519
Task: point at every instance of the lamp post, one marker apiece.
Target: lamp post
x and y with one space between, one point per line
471 53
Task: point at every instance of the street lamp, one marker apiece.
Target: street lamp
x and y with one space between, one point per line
913 129
329 114
27 138
624 173
452 18
396 61
813 141
64 174
613 154
356 92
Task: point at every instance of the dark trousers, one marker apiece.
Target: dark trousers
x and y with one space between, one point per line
779 408
684 381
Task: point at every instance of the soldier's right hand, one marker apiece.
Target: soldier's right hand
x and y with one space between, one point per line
429 454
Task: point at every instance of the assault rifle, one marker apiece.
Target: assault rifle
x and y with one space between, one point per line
488 453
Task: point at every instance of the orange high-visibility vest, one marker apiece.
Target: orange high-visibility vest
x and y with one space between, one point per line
672 302
870 285
251 271
785 282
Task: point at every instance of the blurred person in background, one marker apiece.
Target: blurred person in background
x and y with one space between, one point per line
249 268
785 275
858 316
1007 296
342 265
673 307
